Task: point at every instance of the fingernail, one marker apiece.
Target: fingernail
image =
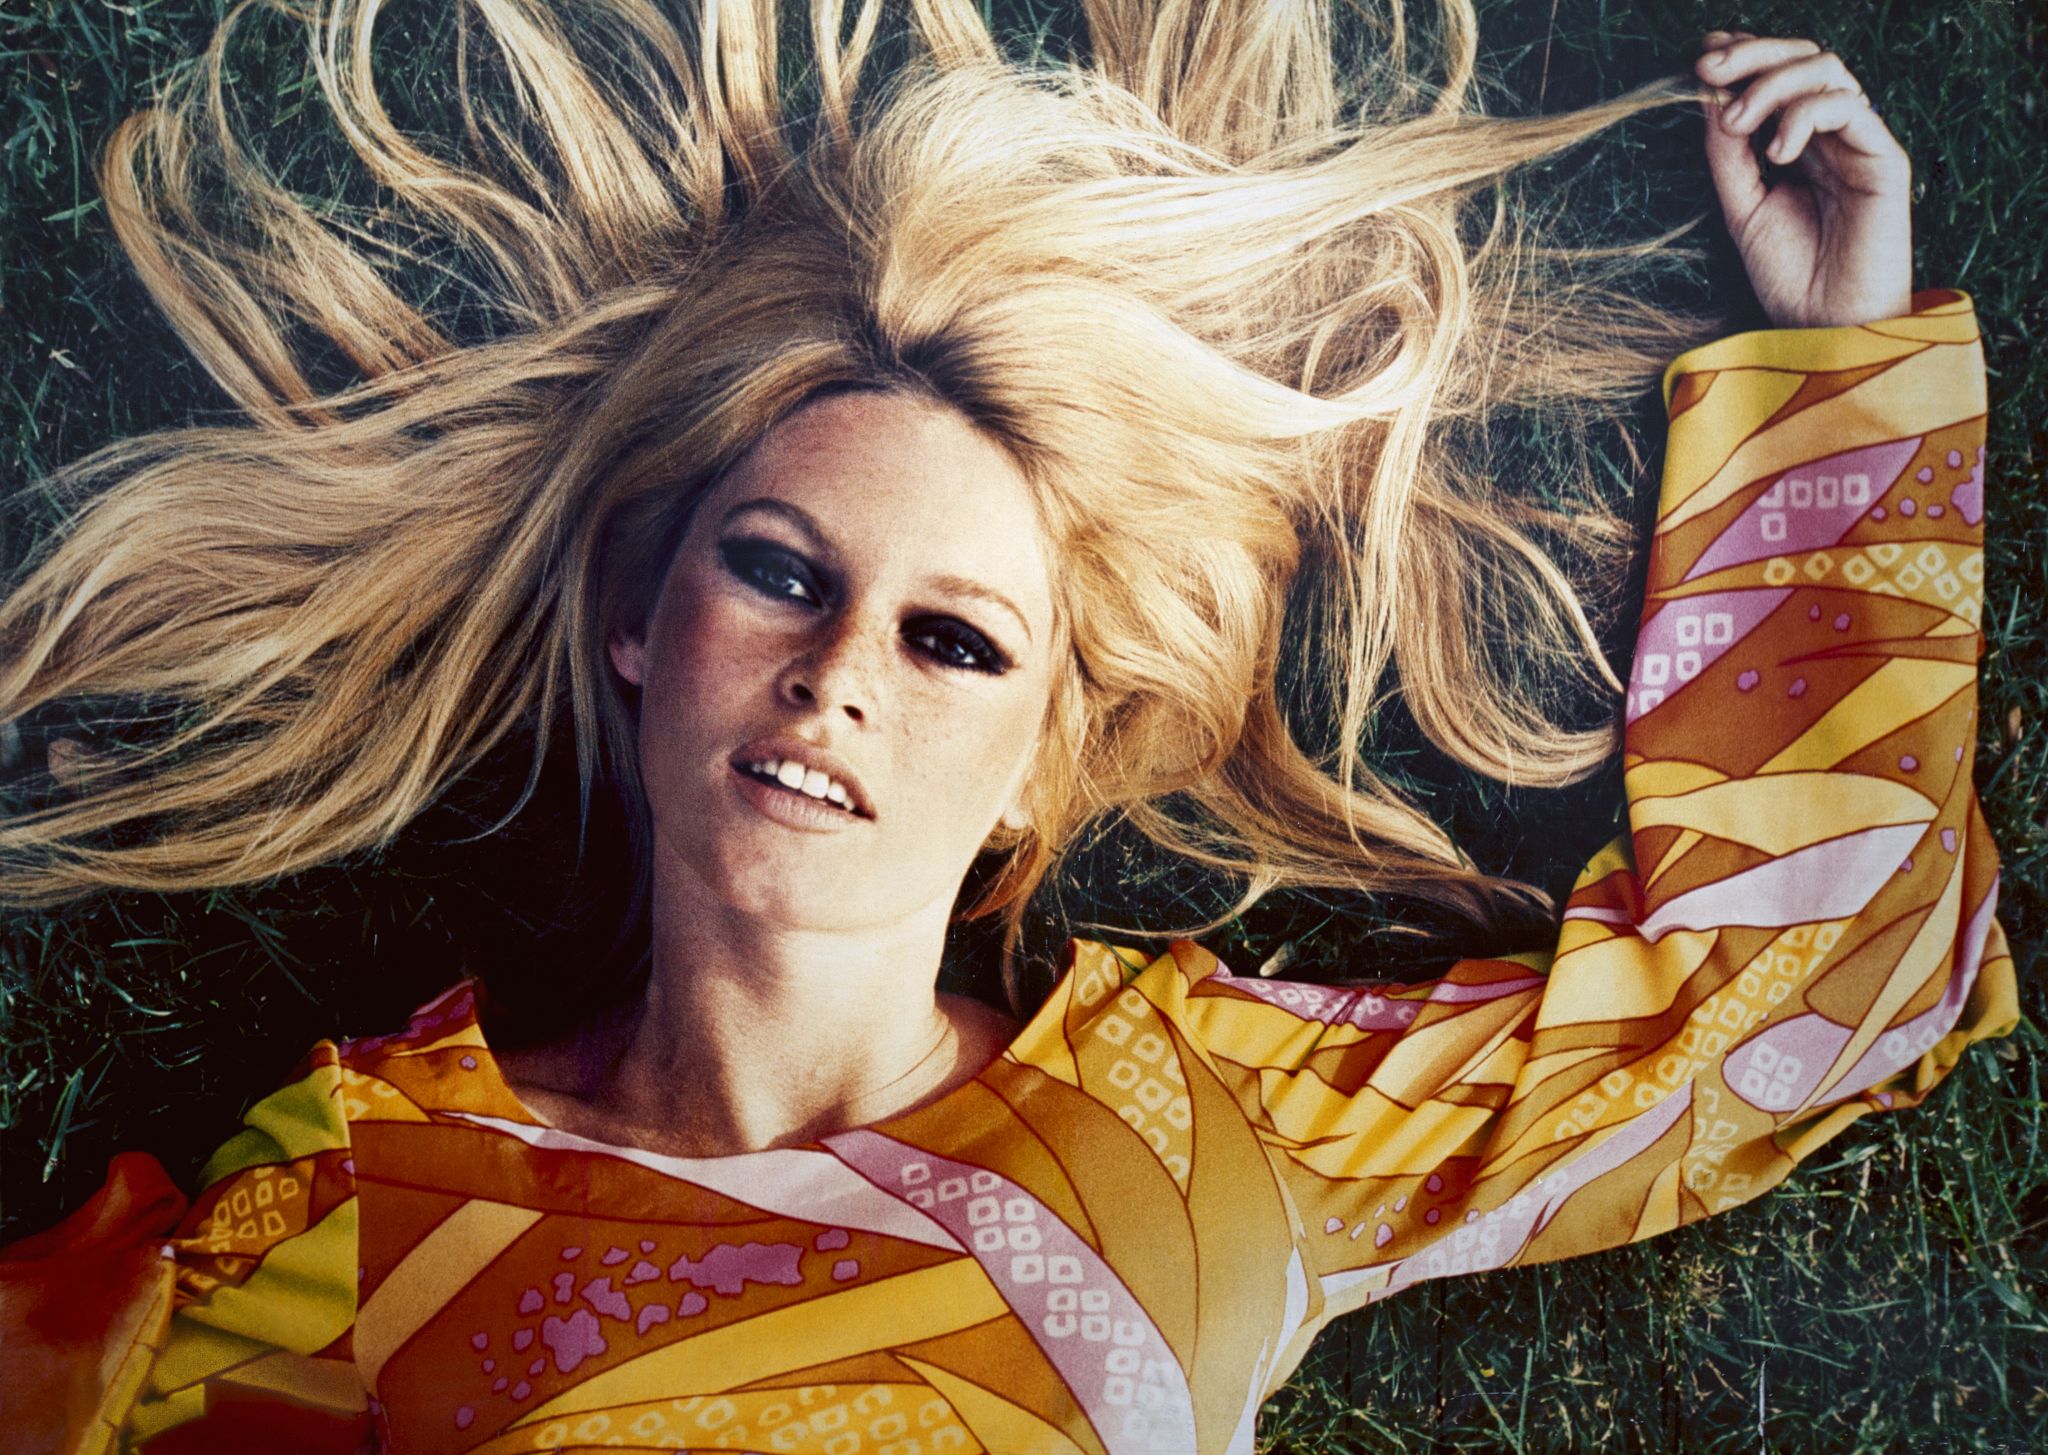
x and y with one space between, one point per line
1715 37
1734 113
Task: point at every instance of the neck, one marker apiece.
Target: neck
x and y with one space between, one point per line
750 1035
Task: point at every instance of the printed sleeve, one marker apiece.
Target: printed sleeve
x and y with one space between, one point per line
1798 926
256 1353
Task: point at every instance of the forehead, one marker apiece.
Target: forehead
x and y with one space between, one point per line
904 482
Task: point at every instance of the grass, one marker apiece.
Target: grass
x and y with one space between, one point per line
1888 1298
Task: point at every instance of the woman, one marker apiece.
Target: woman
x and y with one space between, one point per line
1134 354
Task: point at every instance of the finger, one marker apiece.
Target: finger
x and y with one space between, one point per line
1844 113
1773 90
1738 176
1750 54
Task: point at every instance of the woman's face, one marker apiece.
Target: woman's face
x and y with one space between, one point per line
864 599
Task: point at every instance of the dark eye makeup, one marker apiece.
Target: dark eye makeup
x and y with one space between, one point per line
768 568
777 571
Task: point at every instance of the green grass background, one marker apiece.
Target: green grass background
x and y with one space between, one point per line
1890 1297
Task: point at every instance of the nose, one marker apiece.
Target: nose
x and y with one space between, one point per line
837 670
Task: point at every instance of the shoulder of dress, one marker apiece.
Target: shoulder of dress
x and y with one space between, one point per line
449 1018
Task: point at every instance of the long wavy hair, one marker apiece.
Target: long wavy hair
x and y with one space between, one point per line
1235 309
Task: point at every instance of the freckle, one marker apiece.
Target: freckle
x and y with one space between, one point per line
1955 459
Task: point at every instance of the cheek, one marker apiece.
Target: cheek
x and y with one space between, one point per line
969 749
708 646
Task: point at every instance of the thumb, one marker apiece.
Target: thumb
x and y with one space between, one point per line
1738 177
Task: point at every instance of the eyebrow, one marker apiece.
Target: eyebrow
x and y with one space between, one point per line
944 582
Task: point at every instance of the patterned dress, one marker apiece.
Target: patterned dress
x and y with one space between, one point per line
1123 1234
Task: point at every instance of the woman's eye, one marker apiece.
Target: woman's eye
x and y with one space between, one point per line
769 569
957 645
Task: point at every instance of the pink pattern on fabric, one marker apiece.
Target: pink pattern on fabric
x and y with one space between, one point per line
1450 991
1830 880
600 1295
729 1268
573 1339
1777 1069
1361 1006
1968 497
1492 1239
1809 507
1682 639
1065 1295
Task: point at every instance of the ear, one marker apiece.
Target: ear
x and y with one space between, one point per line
628 654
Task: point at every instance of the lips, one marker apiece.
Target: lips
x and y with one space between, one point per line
811 758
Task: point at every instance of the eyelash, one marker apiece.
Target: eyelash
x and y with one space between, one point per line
752 561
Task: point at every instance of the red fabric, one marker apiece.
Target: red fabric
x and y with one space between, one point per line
74 1294
237 1424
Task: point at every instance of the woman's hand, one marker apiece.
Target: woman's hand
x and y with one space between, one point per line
1828 239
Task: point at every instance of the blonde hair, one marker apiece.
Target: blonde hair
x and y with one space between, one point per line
1235 324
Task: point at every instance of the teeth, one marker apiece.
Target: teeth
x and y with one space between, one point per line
810 782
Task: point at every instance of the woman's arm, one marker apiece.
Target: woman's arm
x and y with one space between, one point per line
1799 927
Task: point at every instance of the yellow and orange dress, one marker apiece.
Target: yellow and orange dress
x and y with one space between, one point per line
1123 1234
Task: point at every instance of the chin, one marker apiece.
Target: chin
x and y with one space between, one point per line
830 898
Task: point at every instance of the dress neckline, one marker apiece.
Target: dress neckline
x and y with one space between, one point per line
1044 1021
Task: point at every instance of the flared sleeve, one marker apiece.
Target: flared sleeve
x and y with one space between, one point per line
258 1351
219 1327
1798 926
